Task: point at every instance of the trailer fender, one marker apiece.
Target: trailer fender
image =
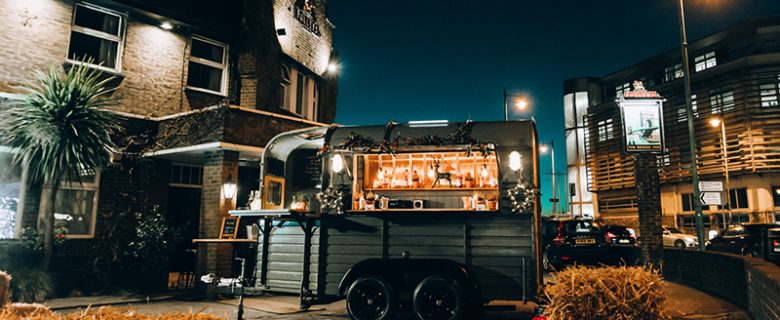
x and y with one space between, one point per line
420 268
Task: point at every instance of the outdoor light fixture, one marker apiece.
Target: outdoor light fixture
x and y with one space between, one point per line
281 31
166 25
333 67
521 104
543 148
514 161
337 163
715 122
229 187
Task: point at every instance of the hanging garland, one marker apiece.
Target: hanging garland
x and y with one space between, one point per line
331 200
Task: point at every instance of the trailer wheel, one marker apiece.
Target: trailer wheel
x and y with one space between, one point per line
371 298
439 297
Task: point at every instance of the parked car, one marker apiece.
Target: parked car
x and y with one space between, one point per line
673 237
744 239
619 236
572 240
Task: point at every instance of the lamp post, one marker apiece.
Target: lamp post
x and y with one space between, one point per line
691 133
718 122
521 103
543 148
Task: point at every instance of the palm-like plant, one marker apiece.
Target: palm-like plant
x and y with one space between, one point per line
61 129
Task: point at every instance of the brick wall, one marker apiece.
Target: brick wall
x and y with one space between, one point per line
750 283
215 257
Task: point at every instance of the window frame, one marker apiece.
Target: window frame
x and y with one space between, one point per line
719 103
68 185
119 38
605 130
673 72
763 87
209 63
19 215
705 61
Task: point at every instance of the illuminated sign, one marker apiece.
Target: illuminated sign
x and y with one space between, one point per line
642 115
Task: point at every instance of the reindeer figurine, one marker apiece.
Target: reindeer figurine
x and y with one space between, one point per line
440 175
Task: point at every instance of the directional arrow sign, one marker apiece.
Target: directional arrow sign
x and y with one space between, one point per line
710 199
711 186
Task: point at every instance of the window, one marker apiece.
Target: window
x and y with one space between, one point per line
285 87
688 205
665 160
186 175
739 199
605 130
688 222
208 66
682 114
776 196
740 218
621 89
673 72
76 206
705 61
10 196
299 92
721 101
770 92
96 33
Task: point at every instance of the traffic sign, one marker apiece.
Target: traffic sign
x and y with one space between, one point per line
710 199
711 186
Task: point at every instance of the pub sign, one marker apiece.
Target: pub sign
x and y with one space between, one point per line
642 118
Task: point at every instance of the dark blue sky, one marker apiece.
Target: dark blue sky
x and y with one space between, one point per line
450 59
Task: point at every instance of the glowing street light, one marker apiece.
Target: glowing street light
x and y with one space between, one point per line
718 122
543 148
520 102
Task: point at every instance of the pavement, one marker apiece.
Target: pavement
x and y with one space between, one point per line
683 303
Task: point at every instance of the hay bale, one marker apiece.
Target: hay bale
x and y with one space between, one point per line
103 313
5 288
615 293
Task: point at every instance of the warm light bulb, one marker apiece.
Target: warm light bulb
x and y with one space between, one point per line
381 174
514 161
521 105
431 173
715 122
543 148
485 171
337 163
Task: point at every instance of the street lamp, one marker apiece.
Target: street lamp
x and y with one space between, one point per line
718 122
543 149
691 133
518 101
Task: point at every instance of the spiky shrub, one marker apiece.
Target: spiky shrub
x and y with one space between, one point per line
619 293
61 129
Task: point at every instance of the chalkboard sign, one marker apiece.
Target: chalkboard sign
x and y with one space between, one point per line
229 228
307 168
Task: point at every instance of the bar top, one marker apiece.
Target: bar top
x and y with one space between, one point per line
224 240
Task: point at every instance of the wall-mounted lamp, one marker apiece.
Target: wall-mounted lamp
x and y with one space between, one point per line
229 187
166 25
281 31
333 67
514 161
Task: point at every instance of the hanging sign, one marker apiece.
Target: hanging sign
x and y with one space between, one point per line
642 115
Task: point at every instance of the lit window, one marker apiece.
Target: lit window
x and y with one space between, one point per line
721 101
621 89
673 72
10 195
665 160
705 61
605 129
770 92
208 66
96 33
682 114
76 206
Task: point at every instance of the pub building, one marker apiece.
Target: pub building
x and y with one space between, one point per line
204 85
735 80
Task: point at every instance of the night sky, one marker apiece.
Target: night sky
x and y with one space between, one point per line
450 59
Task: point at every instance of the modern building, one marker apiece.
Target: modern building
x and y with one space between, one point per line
204 85
735 78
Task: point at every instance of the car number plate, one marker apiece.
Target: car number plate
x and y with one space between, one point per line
624 241
585 241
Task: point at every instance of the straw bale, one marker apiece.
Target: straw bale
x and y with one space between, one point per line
103 313
614 293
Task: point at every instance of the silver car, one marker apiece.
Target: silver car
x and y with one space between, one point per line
673 237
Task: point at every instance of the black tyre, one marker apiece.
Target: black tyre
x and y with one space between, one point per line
371 298
439 298
679 244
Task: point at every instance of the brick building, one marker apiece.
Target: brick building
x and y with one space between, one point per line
204 86
735 78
